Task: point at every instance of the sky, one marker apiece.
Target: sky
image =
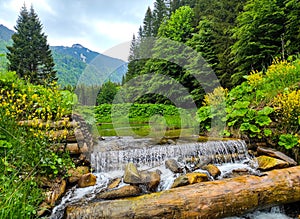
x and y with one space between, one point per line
99 25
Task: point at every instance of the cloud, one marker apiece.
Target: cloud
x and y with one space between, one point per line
97 24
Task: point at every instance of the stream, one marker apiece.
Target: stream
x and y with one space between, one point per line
110 156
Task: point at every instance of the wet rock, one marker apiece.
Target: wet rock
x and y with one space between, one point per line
44 208
173 165
213 170
76 174
180 181
196 177
198 163
125 191
87 180
56 191
114 183
240 172
268 163
131 175
276 154
151 179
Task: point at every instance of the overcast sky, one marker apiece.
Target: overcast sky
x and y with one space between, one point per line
96 24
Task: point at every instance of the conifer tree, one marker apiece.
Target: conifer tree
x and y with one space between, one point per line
159 13
30 55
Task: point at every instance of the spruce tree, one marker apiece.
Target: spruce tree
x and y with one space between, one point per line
30 55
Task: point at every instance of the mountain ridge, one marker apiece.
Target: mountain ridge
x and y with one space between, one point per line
71 63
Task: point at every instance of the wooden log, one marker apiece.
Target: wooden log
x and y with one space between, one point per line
216 199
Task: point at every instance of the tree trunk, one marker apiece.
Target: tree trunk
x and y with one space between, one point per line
214 199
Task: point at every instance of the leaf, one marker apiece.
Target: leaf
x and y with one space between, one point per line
241 104
266 111
239 113
254 128
288 141
262 120
267 132
245 127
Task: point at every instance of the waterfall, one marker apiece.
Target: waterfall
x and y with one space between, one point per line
150 156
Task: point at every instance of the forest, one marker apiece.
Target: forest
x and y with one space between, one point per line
231 67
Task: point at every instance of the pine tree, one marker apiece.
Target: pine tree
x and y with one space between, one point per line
259 35
159 13
30 55
148 24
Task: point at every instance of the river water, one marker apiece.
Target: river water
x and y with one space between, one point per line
110 156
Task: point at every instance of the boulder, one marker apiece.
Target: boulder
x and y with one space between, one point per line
87 180
180 181
213 170
269 163
76 174
196 177
151 179
132 175
276 154
173 165
125 191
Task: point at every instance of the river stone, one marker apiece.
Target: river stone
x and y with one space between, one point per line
56 191
132 175
196 177
151 179
114 183
76 174
125 191
276 154
213 170
173 165
87 180
180 181
268 163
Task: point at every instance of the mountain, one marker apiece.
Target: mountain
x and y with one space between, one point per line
5 38
77 64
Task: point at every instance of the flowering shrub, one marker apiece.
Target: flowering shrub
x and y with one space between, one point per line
265 106
287 105
26 101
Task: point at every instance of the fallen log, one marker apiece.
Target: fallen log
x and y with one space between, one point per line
216 199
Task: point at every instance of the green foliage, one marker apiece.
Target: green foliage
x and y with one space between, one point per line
265 106
22 100
26 152
107 93
30 54
142 113
179 27
288 141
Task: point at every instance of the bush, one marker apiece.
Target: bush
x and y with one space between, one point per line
266 106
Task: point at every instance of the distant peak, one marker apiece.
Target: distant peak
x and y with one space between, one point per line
77 46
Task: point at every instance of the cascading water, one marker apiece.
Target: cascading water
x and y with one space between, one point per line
151 156
110 157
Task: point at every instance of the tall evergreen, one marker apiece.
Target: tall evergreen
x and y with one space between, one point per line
160 12
259 35
148 24
30 55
